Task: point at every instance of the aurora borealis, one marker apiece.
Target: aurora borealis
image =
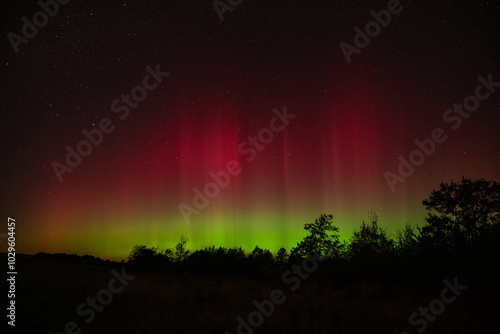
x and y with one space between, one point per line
225 79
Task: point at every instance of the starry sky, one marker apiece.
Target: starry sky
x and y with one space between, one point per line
217 81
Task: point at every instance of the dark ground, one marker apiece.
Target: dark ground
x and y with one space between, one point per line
334 299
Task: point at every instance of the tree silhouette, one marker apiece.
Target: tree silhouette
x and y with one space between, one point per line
370 241
181 253
263 255
282 255
322 241
236 253
463 223
462 212
406 241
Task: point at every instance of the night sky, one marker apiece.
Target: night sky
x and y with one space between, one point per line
220 84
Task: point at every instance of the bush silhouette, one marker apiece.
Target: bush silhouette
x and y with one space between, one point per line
145 259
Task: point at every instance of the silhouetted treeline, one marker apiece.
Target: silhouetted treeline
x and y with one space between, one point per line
462 229
73 258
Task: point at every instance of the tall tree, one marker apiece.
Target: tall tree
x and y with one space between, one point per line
181 253
460 212
323 239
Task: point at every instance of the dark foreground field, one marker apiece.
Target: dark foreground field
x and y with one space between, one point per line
332 299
